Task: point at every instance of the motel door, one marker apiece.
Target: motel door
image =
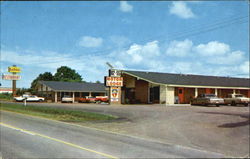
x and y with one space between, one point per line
181 95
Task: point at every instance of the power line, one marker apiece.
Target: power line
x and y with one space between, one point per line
188 33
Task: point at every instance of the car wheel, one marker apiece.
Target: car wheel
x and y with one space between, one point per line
40 100
217 105
233 103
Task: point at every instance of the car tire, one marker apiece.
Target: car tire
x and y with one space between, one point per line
217 105
233 103
40 100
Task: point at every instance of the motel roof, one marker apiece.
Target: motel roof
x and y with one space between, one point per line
74 86
187 79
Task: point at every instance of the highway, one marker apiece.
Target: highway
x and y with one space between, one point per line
31 137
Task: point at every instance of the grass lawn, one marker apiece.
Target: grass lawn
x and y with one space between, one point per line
56 114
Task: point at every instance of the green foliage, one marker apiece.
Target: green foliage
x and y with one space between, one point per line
63 73
67 74
22 91
46 76
97 81
55 113
6 96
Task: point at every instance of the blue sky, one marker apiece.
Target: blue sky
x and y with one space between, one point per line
194 37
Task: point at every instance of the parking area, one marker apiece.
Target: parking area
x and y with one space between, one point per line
223 129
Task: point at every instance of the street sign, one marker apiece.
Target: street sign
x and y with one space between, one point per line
114 81
11 77
14 69
115 93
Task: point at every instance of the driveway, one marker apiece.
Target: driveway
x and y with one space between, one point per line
222 129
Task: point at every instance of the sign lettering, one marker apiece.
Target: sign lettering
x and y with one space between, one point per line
14 69
114 81
11 77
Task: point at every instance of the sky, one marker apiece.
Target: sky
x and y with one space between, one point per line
191 37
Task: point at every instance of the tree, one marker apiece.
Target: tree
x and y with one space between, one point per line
46 76
67 74
97 81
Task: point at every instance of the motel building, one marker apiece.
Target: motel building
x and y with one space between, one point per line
140 87
54 90
167 88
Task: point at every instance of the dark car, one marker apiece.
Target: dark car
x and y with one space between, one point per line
207 99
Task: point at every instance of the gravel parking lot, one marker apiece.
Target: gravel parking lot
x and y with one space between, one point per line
223 129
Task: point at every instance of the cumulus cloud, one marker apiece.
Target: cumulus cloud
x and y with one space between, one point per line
137 53
212 48
213 58
179 48
125 7
88 41
45 59
181 10
244 67
227 59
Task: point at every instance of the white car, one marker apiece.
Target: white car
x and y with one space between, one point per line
67 99
29 98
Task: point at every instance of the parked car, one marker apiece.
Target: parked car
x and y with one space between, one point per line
29 98
234 99
100 99
87 99
207 99
67 99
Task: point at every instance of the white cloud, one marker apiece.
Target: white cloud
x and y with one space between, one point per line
125 7
212 48
244 68
179 48
148 56
88 41
138 53
181 10
45 59
228 59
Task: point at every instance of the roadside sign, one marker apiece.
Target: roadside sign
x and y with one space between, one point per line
11 77
114 81
14 69
114 73
115 94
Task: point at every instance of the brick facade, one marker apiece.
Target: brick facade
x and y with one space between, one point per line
141 91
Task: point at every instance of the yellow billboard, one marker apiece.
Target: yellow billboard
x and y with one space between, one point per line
14 69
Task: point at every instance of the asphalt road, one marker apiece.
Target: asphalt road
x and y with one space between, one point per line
31 137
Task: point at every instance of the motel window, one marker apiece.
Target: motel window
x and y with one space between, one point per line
77 94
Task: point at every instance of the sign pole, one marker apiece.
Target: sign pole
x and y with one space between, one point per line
14 88
14 84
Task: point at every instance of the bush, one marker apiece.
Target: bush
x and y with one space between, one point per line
6 96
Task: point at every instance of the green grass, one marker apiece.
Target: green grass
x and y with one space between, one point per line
56 114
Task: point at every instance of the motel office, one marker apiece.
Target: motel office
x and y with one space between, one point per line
151 87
